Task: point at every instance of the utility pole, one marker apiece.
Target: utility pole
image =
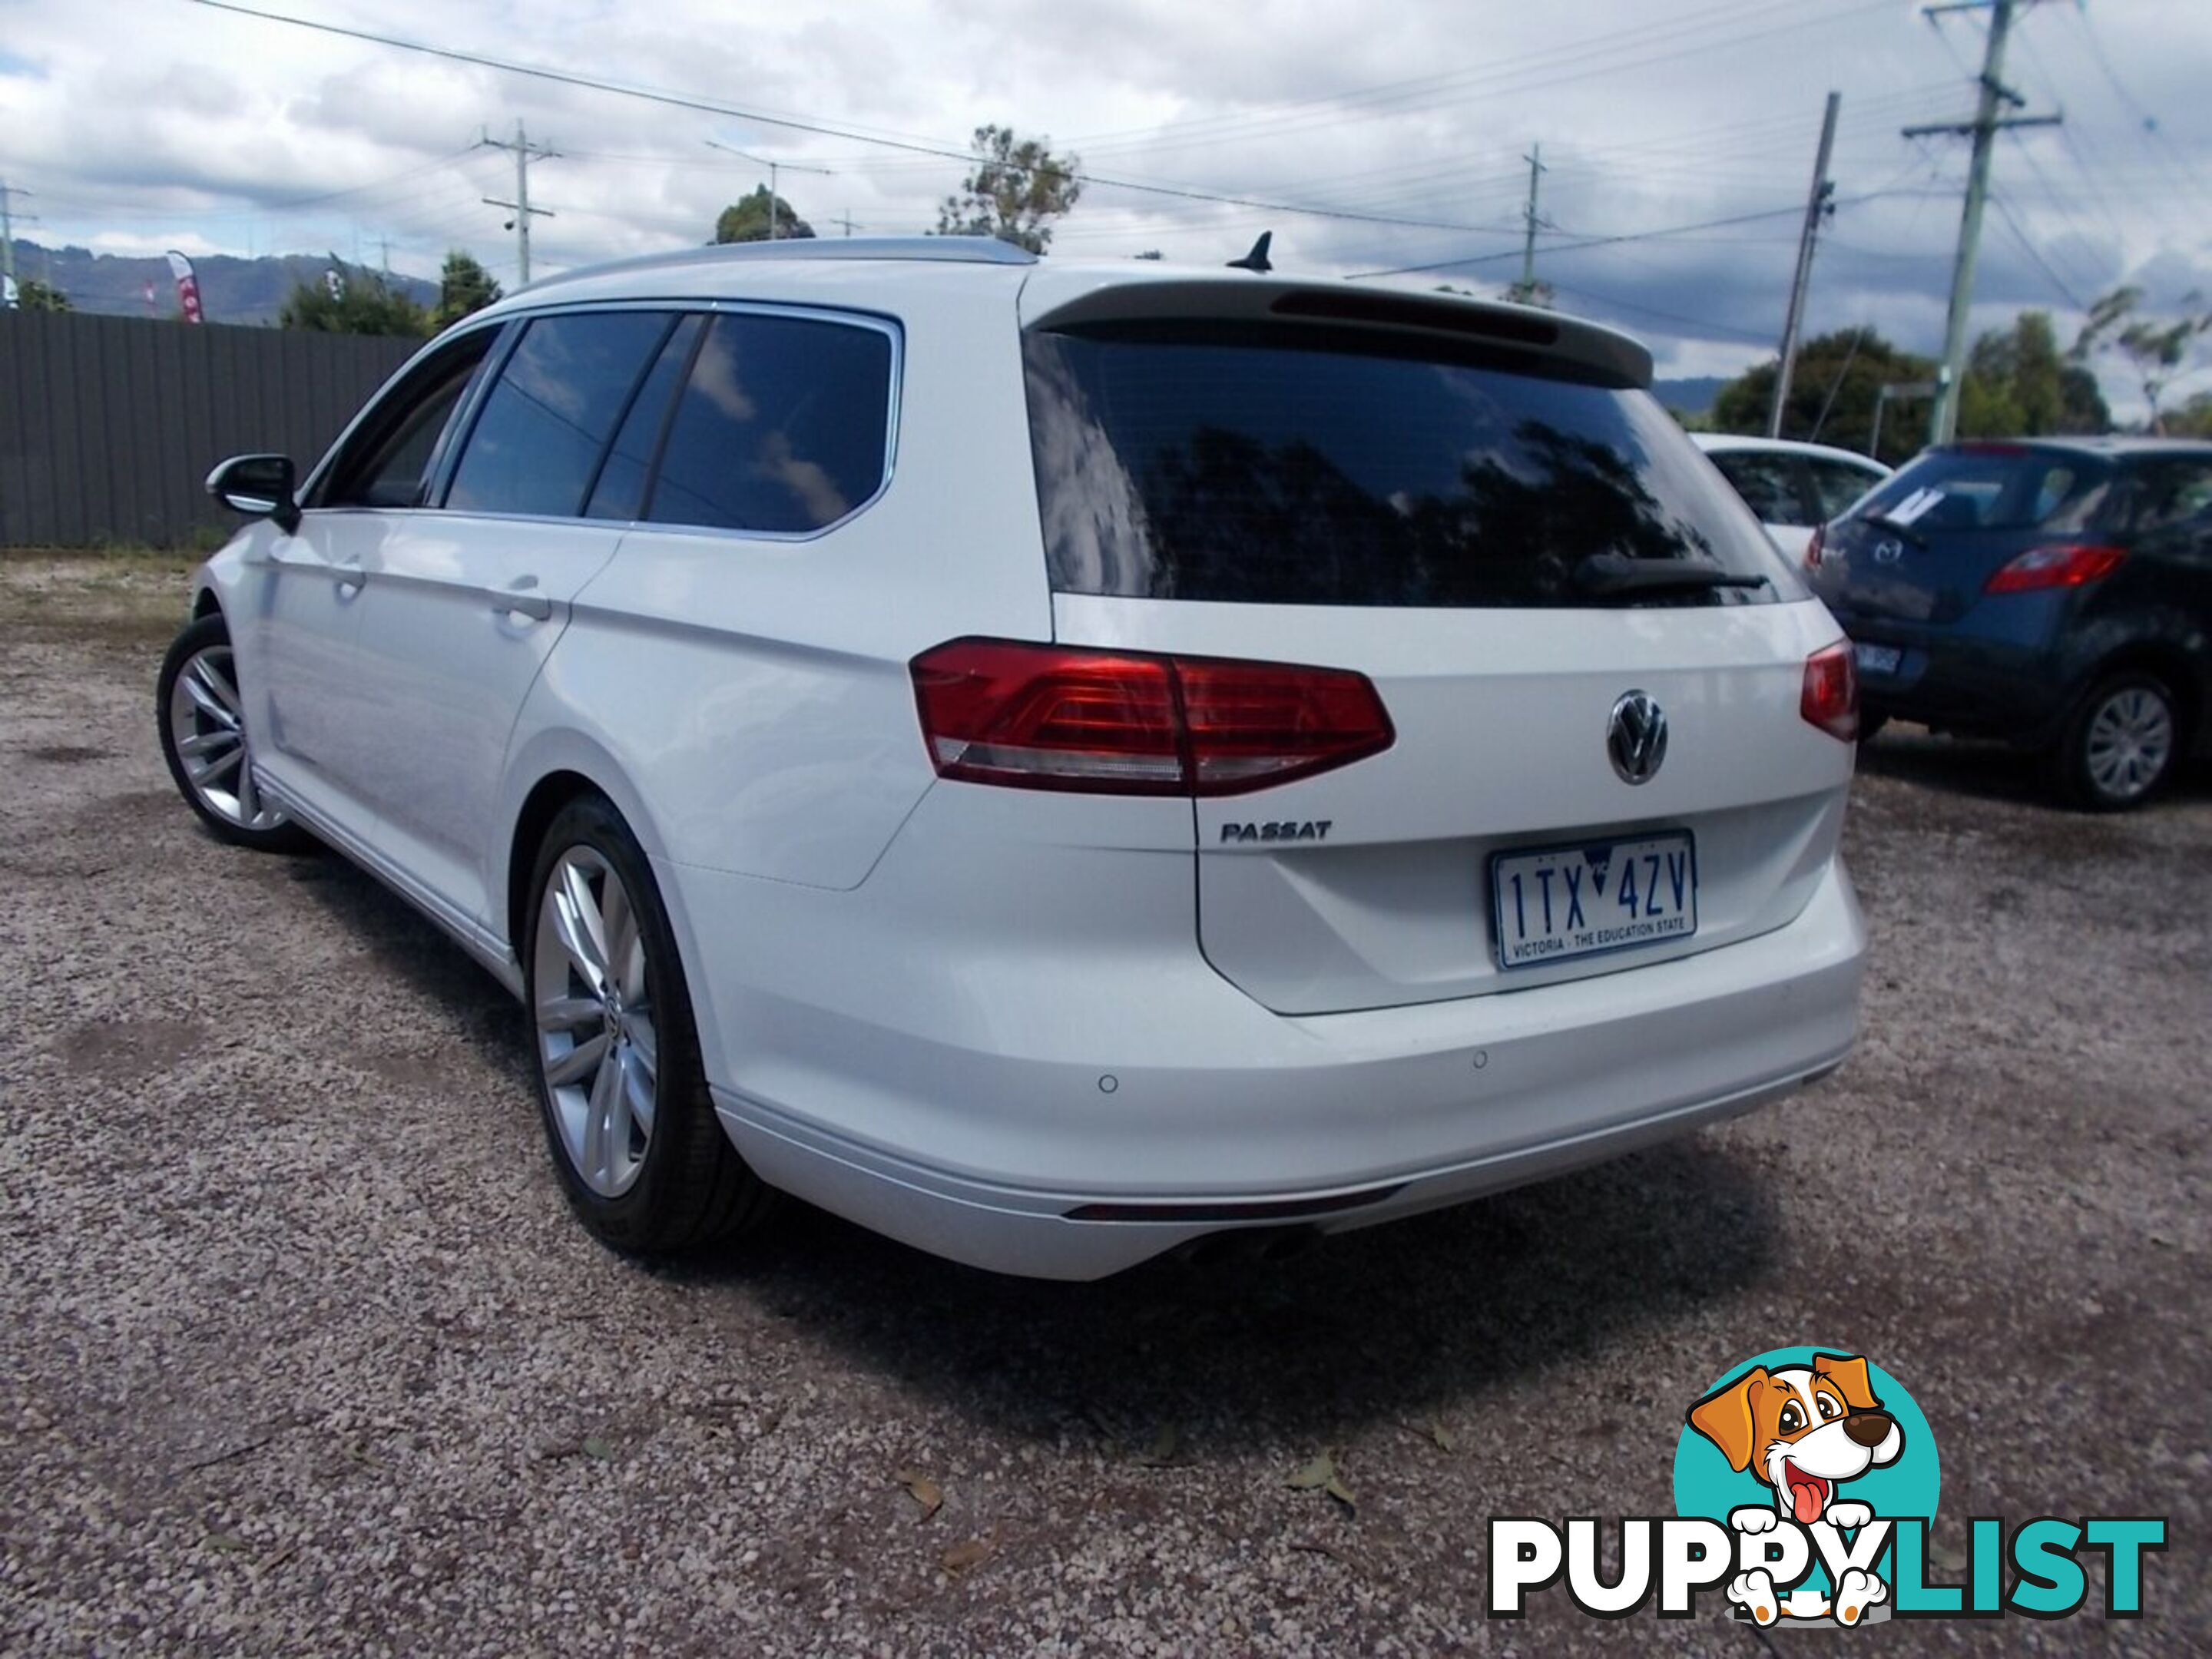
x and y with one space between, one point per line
845 218
7 194
524 153
1534 159
1989 121
1817 206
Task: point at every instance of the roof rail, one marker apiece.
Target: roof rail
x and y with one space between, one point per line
954 250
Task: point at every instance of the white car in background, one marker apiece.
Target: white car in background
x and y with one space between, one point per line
1794 487
1054 762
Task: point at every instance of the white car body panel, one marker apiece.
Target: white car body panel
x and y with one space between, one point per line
1393 906
447 653
957 1012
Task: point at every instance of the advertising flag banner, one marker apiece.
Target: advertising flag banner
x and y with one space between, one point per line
188 287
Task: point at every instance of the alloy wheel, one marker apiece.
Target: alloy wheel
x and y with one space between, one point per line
2131 739
597 1044
207 725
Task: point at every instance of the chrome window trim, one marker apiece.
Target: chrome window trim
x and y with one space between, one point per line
888 327
496 359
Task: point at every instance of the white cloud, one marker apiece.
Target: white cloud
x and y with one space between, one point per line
144 126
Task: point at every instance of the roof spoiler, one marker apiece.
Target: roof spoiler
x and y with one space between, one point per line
1051 301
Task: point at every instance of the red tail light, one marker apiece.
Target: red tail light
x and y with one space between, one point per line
1050 717
2065 566
1814 548
1831 697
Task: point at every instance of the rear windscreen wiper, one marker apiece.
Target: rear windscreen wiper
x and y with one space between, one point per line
1606 574
1895 526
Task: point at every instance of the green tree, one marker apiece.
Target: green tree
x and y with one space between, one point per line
464 287
1017 190
1832 394
31 294
2156 349
2193 419
2019 385
364 304
746 220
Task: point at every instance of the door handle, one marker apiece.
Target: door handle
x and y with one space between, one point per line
347 575
536 606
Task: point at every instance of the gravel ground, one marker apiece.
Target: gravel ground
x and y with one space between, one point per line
306 1355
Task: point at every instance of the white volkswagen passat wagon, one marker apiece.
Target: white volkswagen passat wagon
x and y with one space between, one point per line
1052 761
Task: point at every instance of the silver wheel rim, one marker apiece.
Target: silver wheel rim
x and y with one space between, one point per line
2131 739
207 724
597 1044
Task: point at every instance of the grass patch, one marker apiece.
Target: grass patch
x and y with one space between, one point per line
119 556
130 596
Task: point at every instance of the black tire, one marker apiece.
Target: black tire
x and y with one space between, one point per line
267 831
690 1188
2082 764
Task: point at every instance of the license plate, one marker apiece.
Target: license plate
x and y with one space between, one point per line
1877 658
1560 902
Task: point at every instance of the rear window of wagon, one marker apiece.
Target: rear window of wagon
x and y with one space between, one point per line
1290 465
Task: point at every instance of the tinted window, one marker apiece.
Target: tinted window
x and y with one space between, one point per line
782 426
1768 484
1999 488
620 491
2165 492
536 446
388 463
1290 465
1837 484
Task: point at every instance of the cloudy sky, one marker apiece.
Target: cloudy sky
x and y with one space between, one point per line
145 124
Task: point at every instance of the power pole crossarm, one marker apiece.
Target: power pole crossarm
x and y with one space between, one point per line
1815 205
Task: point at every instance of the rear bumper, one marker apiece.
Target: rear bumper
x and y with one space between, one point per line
1965 685
1997 676
1184 1093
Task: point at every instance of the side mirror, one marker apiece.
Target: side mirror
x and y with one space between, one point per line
260 486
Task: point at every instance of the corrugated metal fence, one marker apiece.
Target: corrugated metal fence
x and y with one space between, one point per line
109 425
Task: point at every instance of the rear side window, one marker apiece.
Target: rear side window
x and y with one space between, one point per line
1996 488
620 491
536 446
1286 464
1767 482
782 427
1836 485
2165 493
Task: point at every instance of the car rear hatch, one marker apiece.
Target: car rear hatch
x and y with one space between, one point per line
1476 509
1924 547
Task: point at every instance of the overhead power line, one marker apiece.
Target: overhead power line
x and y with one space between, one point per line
1609 242
2027 246
1700 324
712 106
1578 61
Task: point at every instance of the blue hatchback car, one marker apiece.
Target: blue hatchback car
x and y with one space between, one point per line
2053 592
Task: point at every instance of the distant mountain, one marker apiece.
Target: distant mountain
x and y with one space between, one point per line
1692 396
232 290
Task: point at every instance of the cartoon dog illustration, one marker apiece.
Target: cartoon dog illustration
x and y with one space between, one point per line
1805 1429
